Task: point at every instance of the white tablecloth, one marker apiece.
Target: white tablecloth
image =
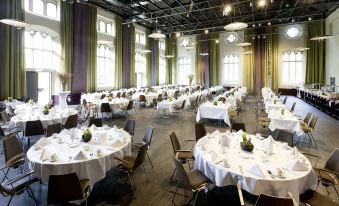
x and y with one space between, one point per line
55 115
210 111
167 104
13 103
111 142
148 96
270 105
115 103
287 121
210 155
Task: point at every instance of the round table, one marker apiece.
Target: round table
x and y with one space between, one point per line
73 155
34 112
210 157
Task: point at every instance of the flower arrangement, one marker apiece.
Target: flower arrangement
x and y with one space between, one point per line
86 135
282 111
246 144
275 101
190 78
30 101
10 99
46 109
65 78
109 99
215 103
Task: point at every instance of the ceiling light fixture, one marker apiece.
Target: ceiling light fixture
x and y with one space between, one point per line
14 22
323 36
204 54
261 3
243 44
217 41
169 56
269 23
302 49
227 10
236 26
157 34
177 34
247 52
206 31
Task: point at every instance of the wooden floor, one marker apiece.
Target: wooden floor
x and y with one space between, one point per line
160 190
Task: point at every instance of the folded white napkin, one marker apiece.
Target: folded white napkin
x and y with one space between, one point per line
270 139
44 141
93 127
80 156
294 151
256 170
296 165
45 155
239 132
118 143
216 133
103 138
215 157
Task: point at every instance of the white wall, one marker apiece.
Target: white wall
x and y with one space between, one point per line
332 47
183 52
226 48
286 45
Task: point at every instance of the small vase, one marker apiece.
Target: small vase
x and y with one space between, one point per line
86 138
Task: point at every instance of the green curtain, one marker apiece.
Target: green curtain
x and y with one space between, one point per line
132 68
198 60
248 61
148 58
118 53
274 37
12 69
315 63
171 49
92 50
214 58
157 61
268 59
66 39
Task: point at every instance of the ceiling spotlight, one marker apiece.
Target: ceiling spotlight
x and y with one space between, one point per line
309 18
293 20
206 31
259 24
251 4
253 37
227 10
261 3
253 25
264 37
217 41
177 34
269 23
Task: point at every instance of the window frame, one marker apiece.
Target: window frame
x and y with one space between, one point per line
228 66
108 68
44 9
183 79
286 75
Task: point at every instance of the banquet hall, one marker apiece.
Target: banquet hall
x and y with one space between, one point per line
169 102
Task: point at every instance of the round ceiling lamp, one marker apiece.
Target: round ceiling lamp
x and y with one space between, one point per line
15 23
157 35
236 26
243 44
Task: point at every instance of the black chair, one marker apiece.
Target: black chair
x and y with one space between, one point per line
67 187
129 163
14 153
200 130
236 126
53 128
18 185
130 126
33 128
312 197
266 200
71 121
285 100
285 136
106 108
128 107
146 140
96 121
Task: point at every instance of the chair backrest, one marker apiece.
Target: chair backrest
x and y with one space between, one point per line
13 148
175 142
285 100
183 105
33 128
266 200
313 122
307 117
236 126
333 161
155 103
148 135
130 105
5 117
105 107
222 99
200 130
141 156
64 188
71 122
96 121
142 98
118 94
129 126
2 133
53 128
103 96
181 172
293 107
285 136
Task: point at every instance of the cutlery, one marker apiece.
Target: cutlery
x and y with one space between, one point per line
269 172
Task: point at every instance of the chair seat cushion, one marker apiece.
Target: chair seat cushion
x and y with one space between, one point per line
314 198
184 155
197 179
326 177
306 128
128 164
17 185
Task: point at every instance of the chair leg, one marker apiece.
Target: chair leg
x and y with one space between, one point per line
336 191
176 189
143 166
312 139
173 174
130 180
149 159
10 200
29 190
